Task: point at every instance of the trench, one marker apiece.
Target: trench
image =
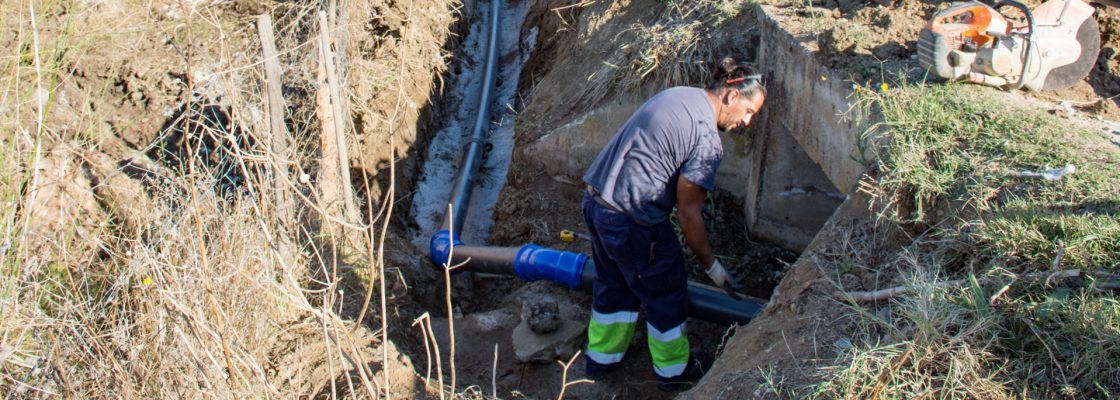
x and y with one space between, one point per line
777 189
478 103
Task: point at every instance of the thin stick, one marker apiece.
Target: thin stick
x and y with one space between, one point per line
439 362
330 359
447 286
427 349
564 377
33 187
869 296
381 261
378 267
494 373
199 231
887 373
999 293
356 360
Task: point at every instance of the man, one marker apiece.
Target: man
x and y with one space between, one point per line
665 155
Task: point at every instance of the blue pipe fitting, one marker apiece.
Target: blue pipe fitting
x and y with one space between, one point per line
441 247
534 262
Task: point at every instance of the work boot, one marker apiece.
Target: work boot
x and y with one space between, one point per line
596 371
698 364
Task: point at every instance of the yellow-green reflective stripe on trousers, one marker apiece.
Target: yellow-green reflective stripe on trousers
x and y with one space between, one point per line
669 350
608 335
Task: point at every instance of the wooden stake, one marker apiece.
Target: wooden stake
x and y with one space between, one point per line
350 210
276 108
328 164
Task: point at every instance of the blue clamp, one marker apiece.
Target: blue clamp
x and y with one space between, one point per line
534 262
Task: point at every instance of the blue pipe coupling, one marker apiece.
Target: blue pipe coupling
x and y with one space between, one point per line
535 262
441 247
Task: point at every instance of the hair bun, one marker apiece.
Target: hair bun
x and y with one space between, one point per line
728 66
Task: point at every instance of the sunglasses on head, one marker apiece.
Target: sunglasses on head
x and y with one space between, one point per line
756 78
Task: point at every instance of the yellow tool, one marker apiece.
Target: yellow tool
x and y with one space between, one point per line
570 236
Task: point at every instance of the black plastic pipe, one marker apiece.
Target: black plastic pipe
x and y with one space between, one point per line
578 271
461 193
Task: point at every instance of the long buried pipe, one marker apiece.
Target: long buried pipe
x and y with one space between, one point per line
532 262
461 193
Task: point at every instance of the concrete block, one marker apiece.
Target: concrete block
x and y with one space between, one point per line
561 344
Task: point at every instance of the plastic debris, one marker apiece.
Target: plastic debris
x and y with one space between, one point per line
1051 174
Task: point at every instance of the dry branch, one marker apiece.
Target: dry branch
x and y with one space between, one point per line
279 133
882 294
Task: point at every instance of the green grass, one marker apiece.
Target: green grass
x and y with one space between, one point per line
950 171
958 149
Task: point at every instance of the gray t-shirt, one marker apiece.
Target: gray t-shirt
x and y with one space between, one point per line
673 134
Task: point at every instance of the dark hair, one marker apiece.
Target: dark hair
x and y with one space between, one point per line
730 74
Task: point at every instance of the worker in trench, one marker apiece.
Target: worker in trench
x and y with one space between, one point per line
665 155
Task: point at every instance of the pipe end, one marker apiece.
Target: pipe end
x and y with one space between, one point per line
440 247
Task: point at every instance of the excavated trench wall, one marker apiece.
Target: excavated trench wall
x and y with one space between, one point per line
793 167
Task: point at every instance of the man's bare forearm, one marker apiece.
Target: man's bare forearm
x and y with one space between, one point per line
695 235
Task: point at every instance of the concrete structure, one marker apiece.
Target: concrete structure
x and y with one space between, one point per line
800 158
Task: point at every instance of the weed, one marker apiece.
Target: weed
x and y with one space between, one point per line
950 166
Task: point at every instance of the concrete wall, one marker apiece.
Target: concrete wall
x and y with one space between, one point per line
810 103
791 170
806 160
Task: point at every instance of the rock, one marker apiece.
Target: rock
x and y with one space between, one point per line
834 41
560 344
543 317
548 292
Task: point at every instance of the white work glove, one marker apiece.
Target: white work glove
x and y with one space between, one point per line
717 273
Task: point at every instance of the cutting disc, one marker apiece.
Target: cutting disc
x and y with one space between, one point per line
1089 37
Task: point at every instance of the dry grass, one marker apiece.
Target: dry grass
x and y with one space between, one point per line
925 344
673 50
141 280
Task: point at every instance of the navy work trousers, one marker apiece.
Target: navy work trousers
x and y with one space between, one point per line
635 266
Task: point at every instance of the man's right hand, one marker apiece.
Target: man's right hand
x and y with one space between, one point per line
718 274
